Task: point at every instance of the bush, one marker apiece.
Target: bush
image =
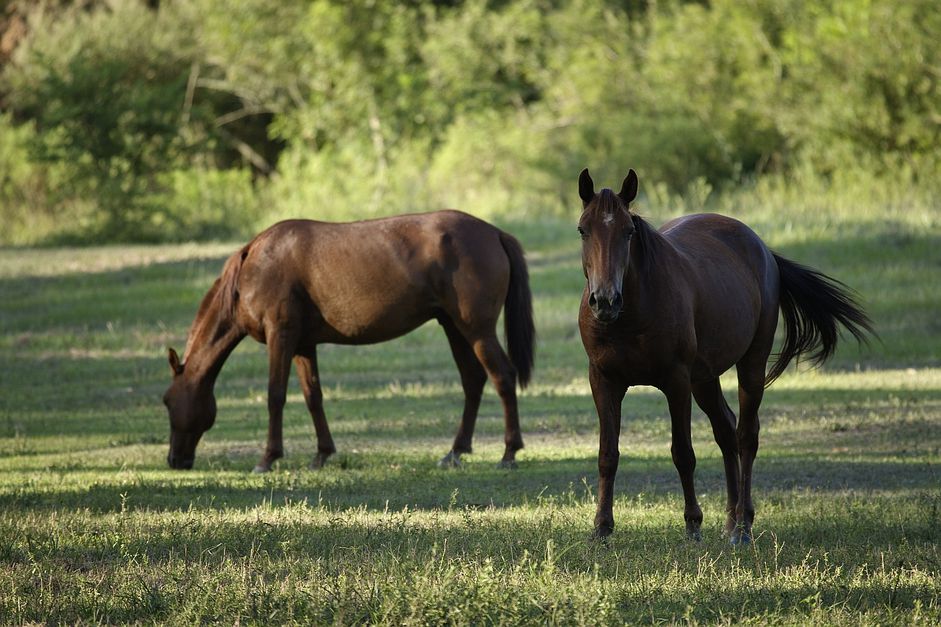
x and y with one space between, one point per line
351 109
23 187
206 203
107 91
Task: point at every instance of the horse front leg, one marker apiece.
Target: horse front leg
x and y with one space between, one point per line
280 351
679 400
608 393
310 384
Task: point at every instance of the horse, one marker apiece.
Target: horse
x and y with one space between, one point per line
301 283
674 308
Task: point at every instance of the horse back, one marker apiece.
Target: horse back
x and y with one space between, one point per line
373 280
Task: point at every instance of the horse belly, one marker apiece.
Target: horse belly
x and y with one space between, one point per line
723 337
350 318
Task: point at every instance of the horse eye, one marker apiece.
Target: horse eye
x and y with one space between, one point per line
581 232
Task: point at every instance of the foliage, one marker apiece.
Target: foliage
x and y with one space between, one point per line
363 108
23 186
119 130
104 91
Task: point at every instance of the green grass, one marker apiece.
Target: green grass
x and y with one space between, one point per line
95 528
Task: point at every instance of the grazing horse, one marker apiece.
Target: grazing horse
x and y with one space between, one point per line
301 283
676 308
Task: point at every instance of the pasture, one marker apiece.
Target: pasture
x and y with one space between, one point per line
95 527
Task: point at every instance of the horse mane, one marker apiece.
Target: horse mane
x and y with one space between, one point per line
221 300
228 282
648 242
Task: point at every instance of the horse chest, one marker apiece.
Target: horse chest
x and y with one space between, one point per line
639 358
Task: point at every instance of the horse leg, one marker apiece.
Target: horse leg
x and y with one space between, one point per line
607 394
678 398
473 378
310 384
709 397
280 351
503 374
751 388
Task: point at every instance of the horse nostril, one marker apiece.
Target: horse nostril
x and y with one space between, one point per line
617 301
592 301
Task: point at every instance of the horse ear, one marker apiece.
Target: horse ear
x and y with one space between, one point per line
175 364
629 188
586 187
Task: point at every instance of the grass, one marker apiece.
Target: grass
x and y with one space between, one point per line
95 528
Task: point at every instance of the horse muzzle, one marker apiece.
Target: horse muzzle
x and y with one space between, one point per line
180 462
607 307
182 450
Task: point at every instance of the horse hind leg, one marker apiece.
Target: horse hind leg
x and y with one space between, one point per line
751 387
310 384
473 379
503 374
709 397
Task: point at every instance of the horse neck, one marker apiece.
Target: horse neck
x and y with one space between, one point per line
646 277
212 338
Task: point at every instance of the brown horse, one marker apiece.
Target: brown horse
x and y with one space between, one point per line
302 283
676 308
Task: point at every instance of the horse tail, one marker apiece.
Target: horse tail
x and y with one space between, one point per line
813 304
518 311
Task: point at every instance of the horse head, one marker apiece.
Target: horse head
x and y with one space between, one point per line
192 410
606 227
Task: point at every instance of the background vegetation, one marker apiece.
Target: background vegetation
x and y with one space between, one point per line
124 120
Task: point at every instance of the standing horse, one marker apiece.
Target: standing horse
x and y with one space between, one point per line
676 308
302 283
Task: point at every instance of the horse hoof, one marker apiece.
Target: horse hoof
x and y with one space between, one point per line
260 469
507 464
740 537
318 462
451 460
694 534
601 534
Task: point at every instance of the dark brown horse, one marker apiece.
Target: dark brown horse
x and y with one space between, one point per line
676 308
302 283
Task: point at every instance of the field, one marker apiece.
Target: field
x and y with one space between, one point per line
94 526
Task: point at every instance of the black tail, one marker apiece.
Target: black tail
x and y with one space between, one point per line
813 304
518 312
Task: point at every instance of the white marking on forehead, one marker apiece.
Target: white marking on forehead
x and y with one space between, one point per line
608 218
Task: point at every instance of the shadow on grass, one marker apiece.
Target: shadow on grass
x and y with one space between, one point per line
167 291
380 485
401 420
